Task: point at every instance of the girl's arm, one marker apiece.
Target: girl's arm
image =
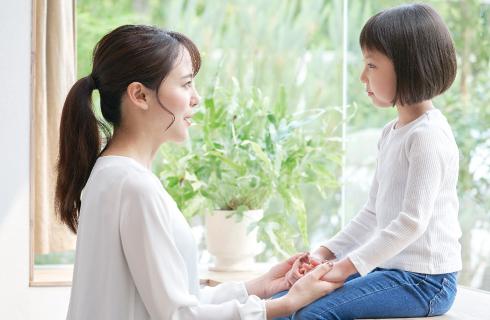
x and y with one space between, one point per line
427 158
323 253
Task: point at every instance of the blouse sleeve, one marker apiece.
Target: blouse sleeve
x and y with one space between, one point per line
158 269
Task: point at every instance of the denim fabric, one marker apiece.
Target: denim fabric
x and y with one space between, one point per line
384 293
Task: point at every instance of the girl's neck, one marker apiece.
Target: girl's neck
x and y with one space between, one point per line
408 113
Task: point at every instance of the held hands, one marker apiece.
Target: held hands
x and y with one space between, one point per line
307 274
301 266
274 280
285 274
311 287
305 263
341 270
307 289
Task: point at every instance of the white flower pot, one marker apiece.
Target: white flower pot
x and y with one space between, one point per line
229 241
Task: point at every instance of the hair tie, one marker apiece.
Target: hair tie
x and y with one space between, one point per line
92 82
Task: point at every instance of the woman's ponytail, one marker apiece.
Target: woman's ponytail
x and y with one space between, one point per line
79 147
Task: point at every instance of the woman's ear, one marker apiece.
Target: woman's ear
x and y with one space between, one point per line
138 94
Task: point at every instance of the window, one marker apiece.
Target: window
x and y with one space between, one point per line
298 47
465 105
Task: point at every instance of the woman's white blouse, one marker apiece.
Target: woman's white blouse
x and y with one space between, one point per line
136 257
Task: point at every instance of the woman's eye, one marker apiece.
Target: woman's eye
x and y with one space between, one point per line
188 84
371 66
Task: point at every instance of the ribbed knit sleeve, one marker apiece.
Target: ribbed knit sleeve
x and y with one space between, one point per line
410 221
427 155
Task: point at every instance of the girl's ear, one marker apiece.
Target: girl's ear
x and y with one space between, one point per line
138 94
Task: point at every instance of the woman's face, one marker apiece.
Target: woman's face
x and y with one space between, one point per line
178 95
379 77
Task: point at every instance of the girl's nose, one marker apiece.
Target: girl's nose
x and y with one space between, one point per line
363 76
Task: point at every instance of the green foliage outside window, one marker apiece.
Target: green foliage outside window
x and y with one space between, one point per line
294 46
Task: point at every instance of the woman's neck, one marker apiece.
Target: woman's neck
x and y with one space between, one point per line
408 113
133 145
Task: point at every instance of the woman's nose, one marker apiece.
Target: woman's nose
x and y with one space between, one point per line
195 99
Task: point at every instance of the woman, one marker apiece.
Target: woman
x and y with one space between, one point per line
135 255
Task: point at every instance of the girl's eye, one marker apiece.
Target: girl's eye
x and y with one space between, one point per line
188 84
371 66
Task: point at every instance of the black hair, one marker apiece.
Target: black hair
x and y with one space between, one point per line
415 38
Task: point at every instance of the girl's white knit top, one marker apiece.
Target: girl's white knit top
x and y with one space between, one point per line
410 220
136 257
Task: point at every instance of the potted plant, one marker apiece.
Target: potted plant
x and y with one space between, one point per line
248 155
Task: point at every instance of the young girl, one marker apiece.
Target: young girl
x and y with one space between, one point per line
135 256
399 256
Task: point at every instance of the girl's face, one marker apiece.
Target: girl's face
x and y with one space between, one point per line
379 77
178 94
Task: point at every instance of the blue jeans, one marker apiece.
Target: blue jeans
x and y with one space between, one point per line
384 293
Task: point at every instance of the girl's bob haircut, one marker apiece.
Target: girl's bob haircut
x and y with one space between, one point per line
419 44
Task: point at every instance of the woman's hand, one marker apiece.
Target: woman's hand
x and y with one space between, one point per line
275 279
306 290
312 286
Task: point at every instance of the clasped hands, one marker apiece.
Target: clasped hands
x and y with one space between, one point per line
283 276
307 277
305 262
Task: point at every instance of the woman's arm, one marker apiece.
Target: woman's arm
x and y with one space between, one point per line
158 269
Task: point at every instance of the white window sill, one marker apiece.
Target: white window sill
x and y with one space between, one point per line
61 275
51 276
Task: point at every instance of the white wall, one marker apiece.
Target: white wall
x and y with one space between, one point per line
17 299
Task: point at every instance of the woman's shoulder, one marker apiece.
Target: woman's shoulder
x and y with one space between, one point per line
126 172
